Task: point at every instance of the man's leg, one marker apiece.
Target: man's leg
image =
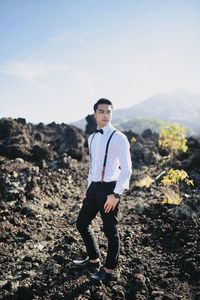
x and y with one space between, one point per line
87 213
110 222
110 227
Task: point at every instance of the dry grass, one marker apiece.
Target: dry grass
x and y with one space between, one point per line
145 182
170 196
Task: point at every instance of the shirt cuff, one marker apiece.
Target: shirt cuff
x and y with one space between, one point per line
118 191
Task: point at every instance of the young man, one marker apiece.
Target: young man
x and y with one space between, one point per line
108 177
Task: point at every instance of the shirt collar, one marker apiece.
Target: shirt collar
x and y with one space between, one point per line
107 128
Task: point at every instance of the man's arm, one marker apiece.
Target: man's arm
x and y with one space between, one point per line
89 179
123 151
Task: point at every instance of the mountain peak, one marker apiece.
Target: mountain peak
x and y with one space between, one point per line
183 92
181 106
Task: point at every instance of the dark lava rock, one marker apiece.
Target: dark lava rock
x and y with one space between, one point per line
91 124
40 142
40 197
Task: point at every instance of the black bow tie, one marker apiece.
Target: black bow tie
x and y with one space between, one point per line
99 130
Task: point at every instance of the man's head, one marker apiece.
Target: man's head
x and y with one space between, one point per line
103 112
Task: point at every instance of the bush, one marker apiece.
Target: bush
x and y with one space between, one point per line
173 139
171 185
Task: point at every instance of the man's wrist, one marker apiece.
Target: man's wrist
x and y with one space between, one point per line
117 196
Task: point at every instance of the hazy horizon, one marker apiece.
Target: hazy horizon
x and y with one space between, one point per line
57 59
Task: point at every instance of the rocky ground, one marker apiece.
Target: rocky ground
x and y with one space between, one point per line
40 196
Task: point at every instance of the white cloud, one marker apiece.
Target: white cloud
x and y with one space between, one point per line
29 70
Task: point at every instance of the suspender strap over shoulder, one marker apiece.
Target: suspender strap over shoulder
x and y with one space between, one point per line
91 145
105 156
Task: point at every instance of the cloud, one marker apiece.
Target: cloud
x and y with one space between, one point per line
29 70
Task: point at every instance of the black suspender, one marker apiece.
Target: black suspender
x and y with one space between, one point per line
105 156
90 147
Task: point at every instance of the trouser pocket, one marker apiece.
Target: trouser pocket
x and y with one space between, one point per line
109 187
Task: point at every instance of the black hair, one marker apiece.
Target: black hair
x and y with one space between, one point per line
102 101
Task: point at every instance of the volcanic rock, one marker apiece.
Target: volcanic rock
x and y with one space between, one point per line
40 202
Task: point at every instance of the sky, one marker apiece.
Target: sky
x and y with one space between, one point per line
57 58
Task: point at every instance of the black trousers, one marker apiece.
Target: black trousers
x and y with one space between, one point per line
96 197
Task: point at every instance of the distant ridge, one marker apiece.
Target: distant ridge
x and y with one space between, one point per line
182 107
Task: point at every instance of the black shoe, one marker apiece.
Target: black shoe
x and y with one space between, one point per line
86 264
102 276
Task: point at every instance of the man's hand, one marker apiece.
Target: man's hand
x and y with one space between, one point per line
110 204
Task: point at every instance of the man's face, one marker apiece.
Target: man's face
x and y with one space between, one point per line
103 115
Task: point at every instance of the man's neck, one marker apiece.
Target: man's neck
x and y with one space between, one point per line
103 127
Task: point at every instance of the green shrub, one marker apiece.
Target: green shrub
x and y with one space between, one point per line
173 139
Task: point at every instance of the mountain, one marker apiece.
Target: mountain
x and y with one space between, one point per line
181 106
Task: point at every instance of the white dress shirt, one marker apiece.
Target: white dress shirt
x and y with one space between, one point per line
118 166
